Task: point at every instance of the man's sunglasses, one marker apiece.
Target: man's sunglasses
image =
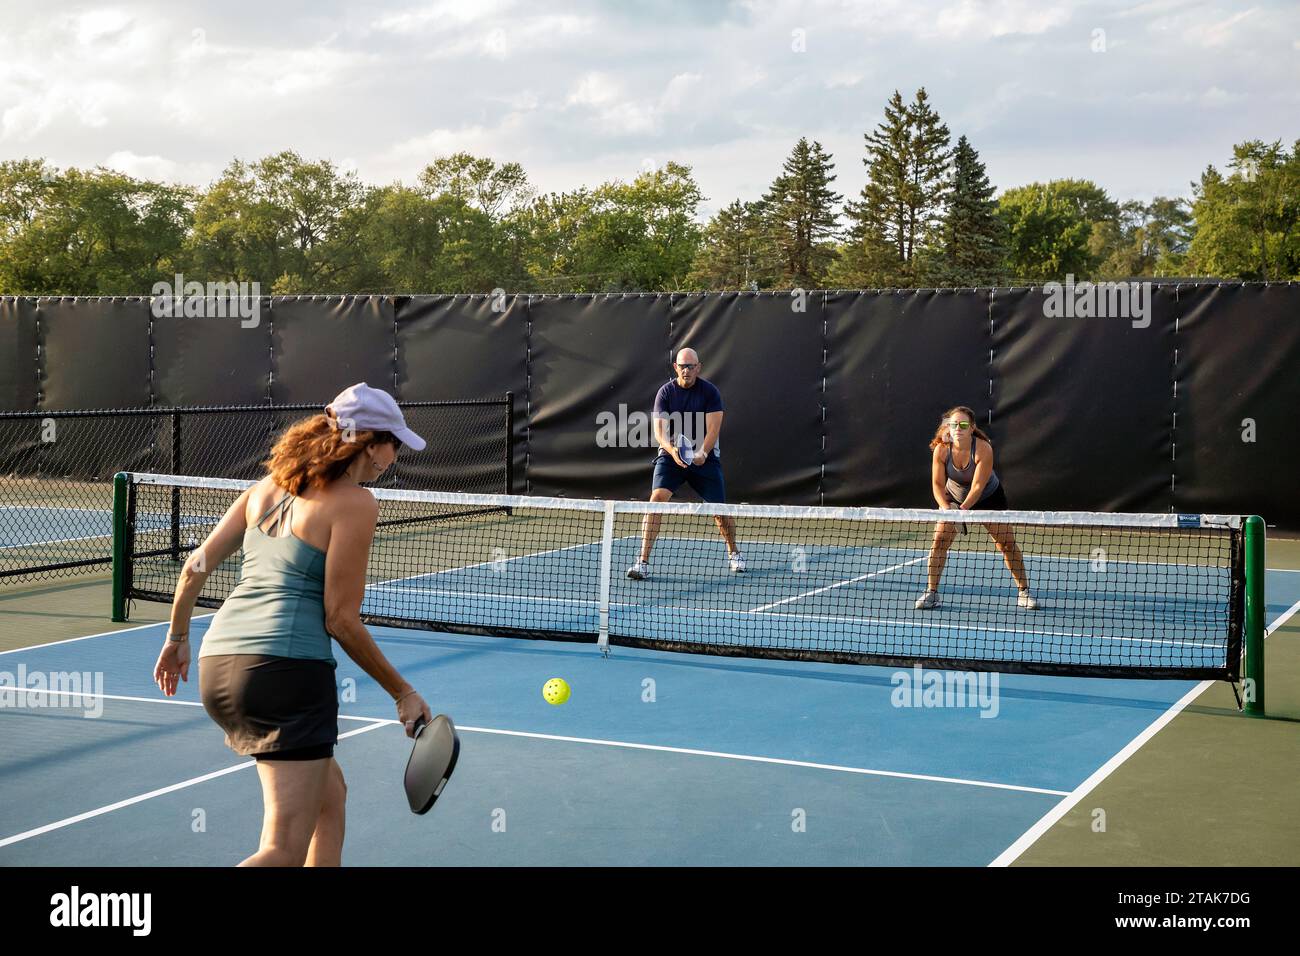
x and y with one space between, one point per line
687 368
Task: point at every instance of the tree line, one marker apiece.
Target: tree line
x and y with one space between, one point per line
928 216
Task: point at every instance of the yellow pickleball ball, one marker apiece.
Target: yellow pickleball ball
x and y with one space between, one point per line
556 691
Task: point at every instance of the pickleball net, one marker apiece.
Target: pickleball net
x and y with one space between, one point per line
1118 595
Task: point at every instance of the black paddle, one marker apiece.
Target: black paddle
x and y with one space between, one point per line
433 758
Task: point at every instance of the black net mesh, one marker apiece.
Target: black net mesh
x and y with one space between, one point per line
1102 595
56 468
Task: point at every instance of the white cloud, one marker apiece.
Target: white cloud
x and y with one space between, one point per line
844 80
1218 33
441 16
161 169
1154 7
405 159
595 89
968 21
256 72
584 92
977 19
1218 97
677 95
99 25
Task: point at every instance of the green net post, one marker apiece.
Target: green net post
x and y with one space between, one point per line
119 546
1255 570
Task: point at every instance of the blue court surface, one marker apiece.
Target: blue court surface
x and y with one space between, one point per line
39 526
657 759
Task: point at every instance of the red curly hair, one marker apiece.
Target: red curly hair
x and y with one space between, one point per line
315 451
941 436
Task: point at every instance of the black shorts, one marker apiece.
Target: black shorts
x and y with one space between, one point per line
272 708
994 502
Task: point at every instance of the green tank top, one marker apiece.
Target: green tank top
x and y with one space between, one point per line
278 606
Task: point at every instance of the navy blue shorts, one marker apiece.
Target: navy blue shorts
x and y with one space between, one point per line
706 479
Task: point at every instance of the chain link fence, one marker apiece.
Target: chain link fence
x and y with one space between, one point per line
56 468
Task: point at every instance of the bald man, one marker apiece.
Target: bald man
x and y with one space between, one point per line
684 456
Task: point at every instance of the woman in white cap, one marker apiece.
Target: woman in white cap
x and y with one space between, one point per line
267 673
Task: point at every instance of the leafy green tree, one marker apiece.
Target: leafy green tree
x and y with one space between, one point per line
87 233
638 236
25 189
279 221
736 251
1248 222
1144 239
1056 229
478 183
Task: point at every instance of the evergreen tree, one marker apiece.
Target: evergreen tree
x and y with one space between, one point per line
736 251
974 238
800 216
901 207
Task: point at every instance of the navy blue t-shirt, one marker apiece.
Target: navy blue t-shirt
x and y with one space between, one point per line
685 409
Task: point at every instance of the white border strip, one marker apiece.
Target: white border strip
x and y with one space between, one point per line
785 512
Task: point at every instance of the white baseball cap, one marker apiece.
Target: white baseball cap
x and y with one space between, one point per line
372 409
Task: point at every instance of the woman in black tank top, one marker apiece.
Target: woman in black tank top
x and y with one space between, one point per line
962 476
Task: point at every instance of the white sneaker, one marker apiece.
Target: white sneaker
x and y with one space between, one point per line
928 600
1026 600
639 571
737 563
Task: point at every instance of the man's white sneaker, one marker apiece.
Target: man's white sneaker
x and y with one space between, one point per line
1026 600
928 600
639 571
737 563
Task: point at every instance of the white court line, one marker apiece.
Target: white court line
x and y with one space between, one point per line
530 598
140 798
922 624
831 587
1285 616
44 541
73 640
484 564
828 618
770 760
1031 836
620 743
7 690
94 537
375 723
972 552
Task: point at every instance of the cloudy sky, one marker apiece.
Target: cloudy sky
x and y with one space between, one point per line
1139 97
